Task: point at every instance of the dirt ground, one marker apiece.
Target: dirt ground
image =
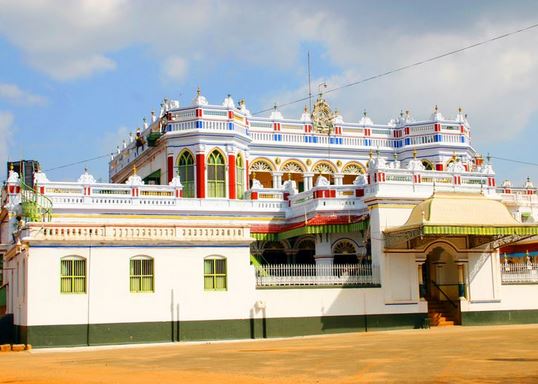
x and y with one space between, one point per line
493 354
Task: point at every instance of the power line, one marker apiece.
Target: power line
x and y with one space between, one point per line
408 66
515 161
77 162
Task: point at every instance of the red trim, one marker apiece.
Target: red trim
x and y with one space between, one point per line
231 177
170 167
200 175
199 112
230 114
437 127
439 167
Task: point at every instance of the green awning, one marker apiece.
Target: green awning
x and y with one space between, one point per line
312 229
521 230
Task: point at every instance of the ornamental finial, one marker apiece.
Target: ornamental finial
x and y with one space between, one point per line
371 153
134 169
414 153
489 158
198 91
289 176
435 108
454 155
11 167
460 109
364 113
305 108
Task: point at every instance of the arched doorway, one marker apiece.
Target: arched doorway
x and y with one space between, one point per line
325 169
305 251
294 170
442 283
261 170
274 252
351 170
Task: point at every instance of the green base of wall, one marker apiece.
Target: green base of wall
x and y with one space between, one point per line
529 316
123 333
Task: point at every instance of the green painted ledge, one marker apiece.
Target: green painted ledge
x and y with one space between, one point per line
154 332
528 316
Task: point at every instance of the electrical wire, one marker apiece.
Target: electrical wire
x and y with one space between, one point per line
515 161
408 66
76 163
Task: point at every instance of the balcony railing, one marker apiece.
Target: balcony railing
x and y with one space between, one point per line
521 273
289 275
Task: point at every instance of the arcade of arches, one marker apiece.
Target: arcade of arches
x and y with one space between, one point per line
267 174
302 251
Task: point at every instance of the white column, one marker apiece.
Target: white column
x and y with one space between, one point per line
308 180
338 179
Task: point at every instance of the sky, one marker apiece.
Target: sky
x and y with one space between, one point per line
77 76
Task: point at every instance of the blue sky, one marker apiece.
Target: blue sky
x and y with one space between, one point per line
77 76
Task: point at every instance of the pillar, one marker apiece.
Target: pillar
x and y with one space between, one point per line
231 176
277 180
170 167
461 281
338 179
421 286
200 175
308 180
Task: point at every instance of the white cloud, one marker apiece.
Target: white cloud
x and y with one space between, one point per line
495 83
175 68
13 94
6 128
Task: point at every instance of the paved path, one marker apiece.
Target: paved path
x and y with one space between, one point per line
493 354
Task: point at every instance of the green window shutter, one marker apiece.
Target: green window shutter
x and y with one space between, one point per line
215 275
141 277
73 275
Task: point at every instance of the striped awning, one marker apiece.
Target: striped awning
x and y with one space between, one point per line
312 229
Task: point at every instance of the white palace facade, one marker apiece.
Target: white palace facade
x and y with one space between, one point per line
216 224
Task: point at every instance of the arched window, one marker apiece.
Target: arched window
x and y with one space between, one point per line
239 177
73 274
215 273
141 274
186 173
216 175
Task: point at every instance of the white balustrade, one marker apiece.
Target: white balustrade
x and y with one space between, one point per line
289 275
519 273
144 233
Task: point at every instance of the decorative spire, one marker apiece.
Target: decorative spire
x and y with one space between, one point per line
414 153
134 169
198 91
371 154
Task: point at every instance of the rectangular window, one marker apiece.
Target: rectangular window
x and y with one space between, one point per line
215 274
141 275
73 272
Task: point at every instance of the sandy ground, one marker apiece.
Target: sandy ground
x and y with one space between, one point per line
493 354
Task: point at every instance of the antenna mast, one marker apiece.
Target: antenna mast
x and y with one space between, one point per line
309 83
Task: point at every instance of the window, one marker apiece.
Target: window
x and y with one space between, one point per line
239 177
141 274
215 274
186 173
216 175
73 275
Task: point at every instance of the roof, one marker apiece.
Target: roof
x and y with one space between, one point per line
463 213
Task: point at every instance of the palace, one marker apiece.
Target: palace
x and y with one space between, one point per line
217 224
